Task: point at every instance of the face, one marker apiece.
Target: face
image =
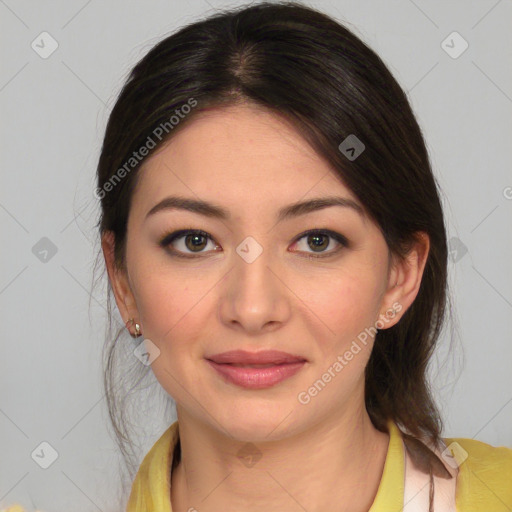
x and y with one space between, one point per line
310 283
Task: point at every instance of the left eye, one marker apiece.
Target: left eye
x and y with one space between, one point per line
319 240
196 240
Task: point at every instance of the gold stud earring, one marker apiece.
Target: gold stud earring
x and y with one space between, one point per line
137 328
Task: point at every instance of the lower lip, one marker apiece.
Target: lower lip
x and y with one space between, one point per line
257 378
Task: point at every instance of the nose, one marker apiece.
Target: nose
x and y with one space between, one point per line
254 295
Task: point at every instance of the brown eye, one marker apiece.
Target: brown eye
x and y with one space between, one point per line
186 242
190 243
319 240
195 242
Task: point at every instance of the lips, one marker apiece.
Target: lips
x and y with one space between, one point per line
263 359
256 370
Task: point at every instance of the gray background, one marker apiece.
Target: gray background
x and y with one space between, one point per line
54 112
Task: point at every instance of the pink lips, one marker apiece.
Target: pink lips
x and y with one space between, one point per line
256 370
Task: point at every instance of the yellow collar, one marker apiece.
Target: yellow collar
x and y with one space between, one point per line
151 489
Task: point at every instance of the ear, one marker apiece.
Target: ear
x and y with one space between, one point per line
404 281
119 281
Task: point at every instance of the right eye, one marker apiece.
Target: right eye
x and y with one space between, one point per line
194 240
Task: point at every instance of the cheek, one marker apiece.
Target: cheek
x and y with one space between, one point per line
170 306
342 306
348 307
167 305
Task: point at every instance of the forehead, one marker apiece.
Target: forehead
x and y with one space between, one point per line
242 155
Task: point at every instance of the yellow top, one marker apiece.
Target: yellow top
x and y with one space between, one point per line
484 483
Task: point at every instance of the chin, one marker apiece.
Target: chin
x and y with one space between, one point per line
251 423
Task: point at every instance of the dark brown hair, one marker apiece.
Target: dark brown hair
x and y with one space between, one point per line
303 65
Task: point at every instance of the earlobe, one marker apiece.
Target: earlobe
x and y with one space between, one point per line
405 280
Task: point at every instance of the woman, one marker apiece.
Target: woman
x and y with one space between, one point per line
273 235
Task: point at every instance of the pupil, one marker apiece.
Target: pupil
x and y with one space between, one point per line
316 238
195 244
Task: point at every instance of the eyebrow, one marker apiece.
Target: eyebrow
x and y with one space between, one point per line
218 212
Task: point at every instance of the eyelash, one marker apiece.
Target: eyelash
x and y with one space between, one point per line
167 239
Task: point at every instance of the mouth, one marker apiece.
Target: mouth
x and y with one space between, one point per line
254 370
238 365
265 357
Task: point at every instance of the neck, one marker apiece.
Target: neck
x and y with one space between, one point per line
338 461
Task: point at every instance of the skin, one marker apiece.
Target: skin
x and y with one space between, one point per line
314 455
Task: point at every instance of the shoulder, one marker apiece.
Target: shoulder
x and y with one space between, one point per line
485 475
480 455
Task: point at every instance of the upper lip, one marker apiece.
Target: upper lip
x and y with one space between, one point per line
263 357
